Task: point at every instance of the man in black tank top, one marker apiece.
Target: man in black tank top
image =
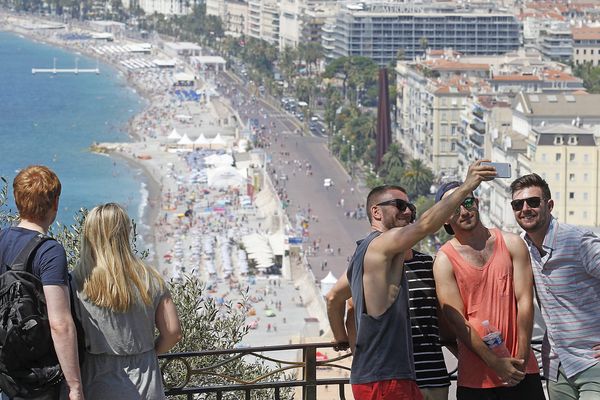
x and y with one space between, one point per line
383 366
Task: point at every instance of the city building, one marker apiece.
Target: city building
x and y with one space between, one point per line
381 30
556 43
566 157
166 7
428 114
586 46
263 20
535 110
233 14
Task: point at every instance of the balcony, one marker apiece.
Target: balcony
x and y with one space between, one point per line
478 127
477 139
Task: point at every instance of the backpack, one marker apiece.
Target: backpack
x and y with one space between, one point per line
28 362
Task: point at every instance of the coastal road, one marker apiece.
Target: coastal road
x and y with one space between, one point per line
288 151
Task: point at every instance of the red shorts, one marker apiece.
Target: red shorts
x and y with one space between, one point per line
393 389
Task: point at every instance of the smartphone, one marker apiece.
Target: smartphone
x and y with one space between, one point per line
502 169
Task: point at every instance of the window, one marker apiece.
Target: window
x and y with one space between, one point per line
586 158
544 157
558 156
557 195
571 213
557 139
584 214
571 157
557 177
585 196
585 176
571 177
572 195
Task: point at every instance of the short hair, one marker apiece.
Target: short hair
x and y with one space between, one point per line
530 180
35 188
374 194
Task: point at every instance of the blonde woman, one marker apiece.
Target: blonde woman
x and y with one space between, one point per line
119 301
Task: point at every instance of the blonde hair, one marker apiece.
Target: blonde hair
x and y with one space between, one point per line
36 188
109 273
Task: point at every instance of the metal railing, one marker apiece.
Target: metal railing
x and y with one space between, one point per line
205 372
181 376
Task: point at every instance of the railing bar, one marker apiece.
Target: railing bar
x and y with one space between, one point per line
342 392
277 394
248 394
219 395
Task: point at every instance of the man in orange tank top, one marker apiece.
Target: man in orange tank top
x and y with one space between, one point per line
485 275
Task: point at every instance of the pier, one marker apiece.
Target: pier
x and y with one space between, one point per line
75 70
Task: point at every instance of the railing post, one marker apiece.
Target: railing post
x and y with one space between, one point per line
310 373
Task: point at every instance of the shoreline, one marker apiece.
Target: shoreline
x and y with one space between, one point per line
150 213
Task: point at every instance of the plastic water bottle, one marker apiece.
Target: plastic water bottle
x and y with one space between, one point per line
493 339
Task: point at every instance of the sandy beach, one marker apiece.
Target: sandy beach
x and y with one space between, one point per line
194 227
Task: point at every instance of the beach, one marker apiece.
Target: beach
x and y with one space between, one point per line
193 227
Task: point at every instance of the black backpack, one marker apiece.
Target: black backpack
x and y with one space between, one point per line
28 362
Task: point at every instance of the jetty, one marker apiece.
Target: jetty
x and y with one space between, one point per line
75 70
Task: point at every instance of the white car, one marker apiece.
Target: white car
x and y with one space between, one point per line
327 182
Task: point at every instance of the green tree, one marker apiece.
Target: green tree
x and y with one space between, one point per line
206 325
417 178
392 166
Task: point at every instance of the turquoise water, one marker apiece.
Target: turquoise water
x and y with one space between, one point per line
53 119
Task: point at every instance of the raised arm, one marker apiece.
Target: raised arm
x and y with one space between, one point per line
336 308
453 309
523 284
168 325
64 336
398 240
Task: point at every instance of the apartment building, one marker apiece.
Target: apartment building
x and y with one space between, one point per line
233 13
428 114
263 20
566 157
534 110
556 43
586 46
166 7
380 30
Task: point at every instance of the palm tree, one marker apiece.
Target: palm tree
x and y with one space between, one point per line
417 178
392 166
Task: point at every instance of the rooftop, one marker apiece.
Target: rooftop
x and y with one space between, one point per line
558 105
586 33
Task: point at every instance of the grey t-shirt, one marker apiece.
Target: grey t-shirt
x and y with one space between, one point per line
115 333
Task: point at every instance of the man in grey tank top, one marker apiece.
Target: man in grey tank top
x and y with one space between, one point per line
382 366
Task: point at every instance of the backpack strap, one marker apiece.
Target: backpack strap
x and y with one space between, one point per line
25 257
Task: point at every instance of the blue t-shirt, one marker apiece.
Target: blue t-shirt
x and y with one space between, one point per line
49 262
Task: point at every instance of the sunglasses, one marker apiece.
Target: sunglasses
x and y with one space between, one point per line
400 204
533 202
467 203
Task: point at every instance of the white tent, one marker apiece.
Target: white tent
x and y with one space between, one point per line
327 283
201 140
185 140
224 177
218 160
218 141
174 135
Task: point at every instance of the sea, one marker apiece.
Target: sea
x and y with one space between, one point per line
53 119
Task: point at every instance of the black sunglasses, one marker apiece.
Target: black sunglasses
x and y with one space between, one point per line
400 204
534 202
467 203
